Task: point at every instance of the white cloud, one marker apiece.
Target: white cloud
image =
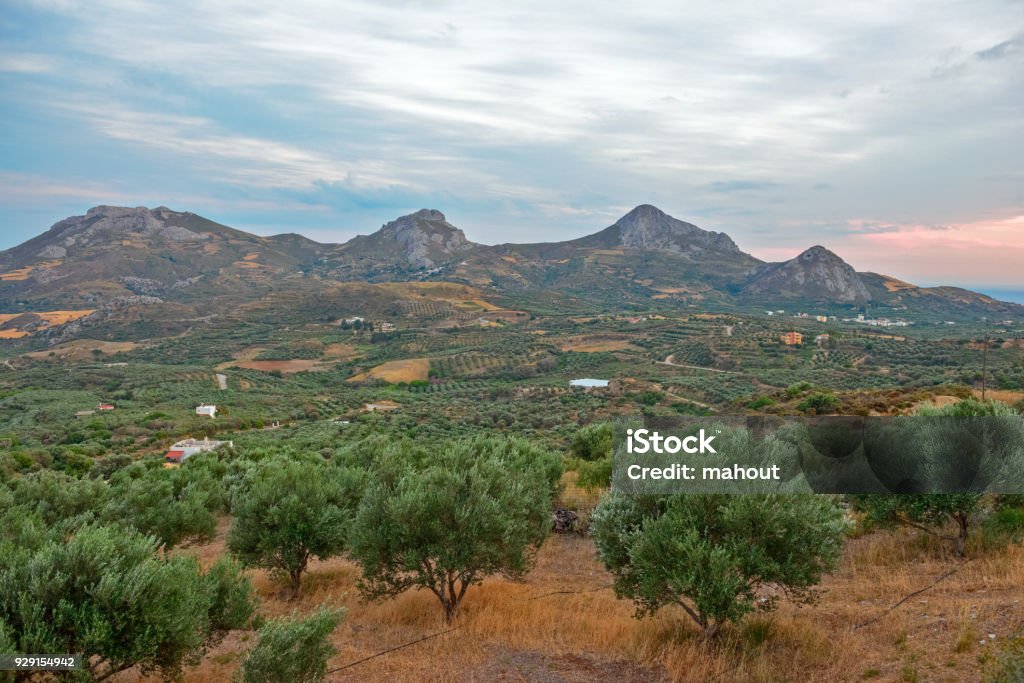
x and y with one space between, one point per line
903 108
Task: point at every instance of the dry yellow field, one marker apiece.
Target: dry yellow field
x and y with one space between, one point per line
1006 396
563 623
49 319
82 348
596 345
894 285
60 317
339 351
24 273
395 371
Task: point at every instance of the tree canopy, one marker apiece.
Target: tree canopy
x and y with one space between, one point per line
477 508
710 554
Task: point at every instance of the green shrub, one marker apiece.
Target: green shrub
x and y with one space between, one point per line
292 650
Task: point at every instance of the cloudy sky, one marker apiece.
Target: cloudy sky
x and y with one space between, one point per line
892 133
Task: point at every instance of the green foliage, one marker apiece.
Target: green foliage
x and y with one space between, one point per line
761 402
710 554
932 513
289 511
476 508
1007 666
648 398
170 504
59 499
292 650
593 442
109 594
927 512
795 390
595 475
819 402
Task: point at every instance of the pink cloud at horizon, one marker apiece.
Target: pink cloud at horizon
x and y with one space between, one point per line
988 252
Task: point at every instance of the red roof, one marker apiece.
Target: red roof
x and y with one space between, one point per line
174 455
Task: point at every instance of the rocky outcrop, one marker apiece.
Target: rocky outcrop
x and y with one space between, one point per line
816 275
648 227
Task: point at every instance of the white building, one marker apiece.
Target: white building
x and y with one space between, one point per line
183 450
207 410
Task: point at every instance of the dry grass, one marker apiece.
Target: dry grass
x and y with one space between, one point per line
527 631
596 344
339 351
394 371
44 319
1004 395
80 349
286 367
22 274
893 285
60 317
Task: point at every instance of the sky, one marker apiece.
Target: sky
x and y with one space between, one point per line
891 133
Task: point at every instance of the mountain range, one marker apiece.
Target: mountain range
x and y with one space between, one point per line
115 256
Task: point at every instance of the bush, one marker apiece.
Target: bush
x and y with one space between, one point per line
292 650
593 442
107 593
820 402
710 554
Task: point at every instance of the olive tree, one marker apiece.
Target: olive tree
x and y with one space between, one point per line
711 554
480 507
292 650
107 593
927 512
952 445
287 512
170 504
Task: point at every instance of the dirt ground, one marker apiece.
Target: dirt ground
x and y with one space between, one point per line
564 624
408 370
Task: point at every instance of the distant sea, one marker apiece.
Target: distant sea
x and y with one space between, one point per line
1016 295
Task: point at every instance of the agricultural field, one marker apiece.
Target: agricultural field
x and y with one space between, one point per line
311 390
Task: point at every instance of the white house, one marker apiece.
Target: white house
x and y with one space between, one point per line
183 450
207 410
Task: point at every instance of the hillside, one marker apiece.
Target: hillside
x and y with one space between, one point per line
115 252
134 271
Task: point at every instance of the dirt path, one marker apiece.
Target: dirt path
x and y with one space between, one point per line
670 360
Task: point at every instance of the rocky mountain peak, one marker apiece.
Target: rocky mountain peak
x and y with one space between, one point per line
648 227
815 273
423 239
102 224
819 253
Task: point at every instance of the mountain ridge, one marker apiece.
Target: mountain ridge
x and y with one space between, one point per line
646 257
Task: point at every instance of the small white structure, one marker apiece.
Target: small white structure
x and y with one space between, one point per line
183 450
210 410
589 383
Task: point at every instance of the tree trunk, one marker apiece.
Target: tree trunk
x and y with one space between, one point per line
963 521
296 578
